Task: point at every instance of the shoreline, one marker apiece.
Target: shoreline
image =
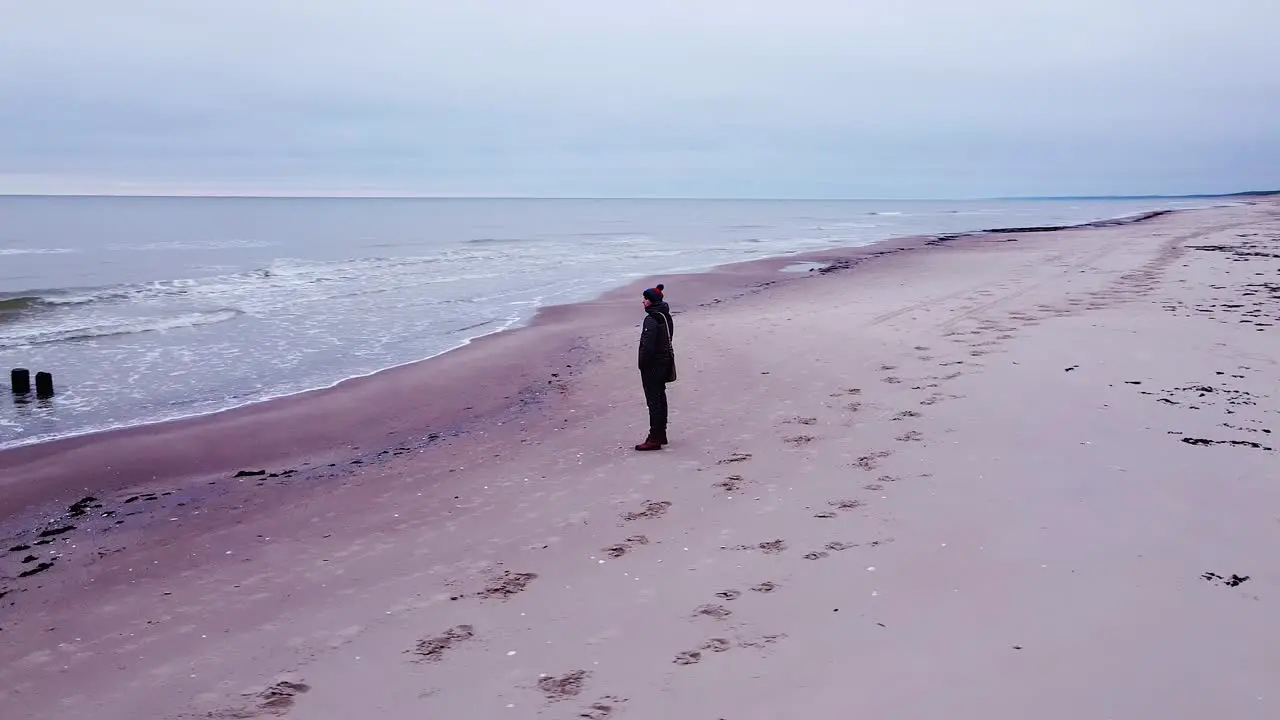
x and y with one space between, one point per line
513 324
510 325
34 474
517 325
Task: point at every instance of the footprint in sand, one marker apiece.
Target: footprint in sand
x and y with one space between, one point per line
433 649
687 657
871 461
564 687
731 484
735 458
906 415
845 504
771 547
816 555
873 487
838 546
912 436
602 708
719 612
276 700
652 509
622 548
798 440
892 380
825 515
729 594
506 585
716 645
762 642
767 586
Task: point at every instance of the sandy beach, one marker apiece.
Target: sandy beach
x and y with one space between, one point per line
997 476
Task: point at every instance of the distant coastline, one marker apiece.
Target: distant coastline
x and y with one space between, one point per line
1245 193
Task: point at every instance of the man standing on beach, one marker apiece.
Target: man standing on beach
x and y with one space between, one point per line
657 365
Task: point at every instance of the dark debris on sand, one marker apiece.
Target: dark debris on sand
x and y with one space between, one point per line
36 570
1233 581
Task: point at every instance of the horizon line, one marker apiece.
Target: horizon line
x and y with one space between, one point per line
423 196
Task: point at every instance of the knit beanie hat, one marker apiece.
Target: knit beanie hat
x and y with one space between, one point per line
654 294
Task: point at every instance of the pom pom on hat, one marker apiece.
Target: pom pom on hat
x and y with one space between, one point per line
654 294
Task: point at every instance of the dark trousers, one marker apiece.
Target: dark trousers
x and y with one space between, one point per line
655 396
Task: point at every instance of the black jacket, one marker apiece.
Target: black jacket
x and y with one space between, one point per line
655 348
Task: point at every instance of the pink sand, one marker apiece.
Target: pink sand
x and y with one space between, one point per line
1002 477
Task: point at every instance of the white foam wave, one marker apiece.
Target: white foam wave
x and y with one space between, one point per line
30 334
284 283
496 241
35 251
512 320
231 244
82 299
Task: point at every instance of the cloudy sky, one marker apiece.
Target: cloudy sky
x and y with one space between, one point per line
591 98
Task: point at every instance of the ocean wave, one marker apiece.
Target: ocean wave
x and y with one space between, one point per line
18 304
230 402
111 327
37 299
846 226
496 241
232 244
36 251
283 282
613 237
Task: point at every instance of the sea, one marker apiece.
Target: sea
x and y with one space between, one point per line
152 309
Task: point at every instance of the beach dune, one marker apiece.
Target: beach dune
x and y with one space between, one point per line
996 476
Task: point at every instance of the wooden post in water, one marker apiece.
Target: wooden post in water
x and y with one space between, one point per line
21 380
44 385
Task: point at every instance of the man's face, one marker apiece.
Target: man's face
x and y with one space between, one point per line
647 303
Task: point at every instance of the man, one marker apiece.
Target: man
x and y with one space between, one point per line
657 365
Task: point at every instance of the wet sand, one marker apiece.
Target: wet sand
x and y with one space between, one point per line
1008 475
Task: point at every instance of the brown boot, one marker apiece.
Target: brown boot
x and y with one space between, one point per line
660 438
650 443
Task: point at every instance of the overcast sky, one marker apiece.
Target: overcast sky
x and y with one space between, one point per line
589 98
